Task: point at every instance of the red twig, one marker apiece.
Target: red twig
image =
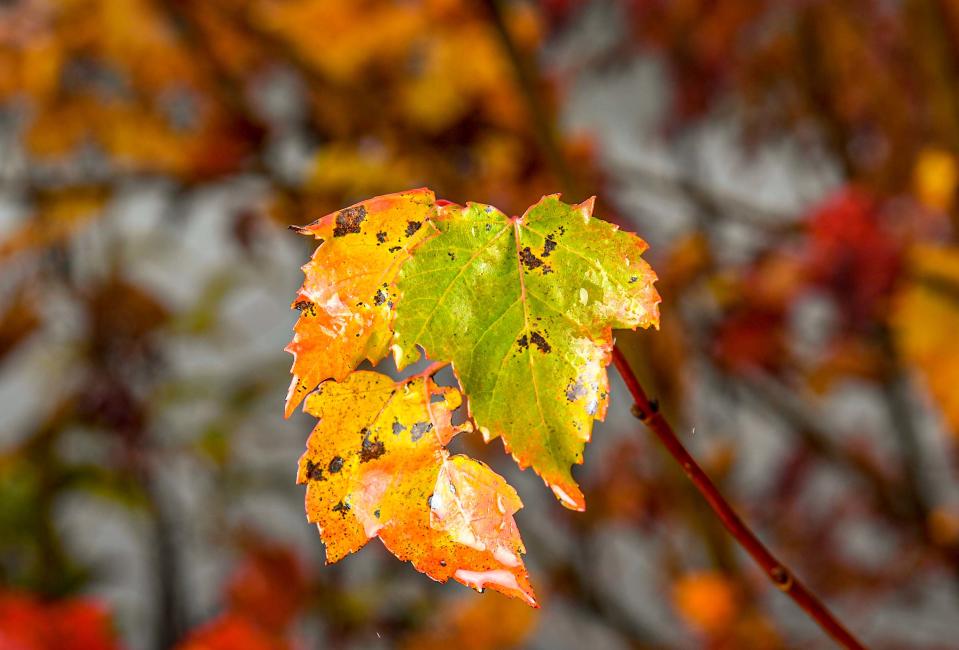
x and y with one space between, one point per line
648 411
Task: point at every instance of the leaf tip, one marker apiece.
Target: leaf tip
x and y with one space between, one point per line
570 496
586 207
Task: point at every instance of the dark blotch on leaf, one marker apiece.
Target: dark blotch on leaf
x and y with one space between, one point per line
336 465
633 279
412 226
549 246
540 342
314 472
523 342
341 508
380 297
305 306
348 221
381 237
393 249
371 449
529 260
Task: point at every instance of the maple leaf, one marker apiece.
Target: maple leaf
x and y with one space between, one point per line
347 299
376 466
524 308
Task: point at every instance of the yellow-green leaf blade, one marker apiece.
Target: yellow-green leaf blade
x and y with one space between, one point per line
524 308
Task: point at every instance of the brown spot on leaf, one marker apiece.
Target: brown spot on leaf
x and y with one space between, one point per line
341 508
412 226
633 279
381 237
305 305
397 427
380 297
523 342
348 221
336 465
313 471
371 449
549 245
529 260
540 342
393 249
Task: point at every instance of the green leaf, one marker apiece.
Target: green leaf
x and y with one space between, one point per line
524 309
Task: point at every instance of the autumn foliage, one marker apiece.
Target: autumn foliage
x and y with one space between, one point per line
794 167
464 284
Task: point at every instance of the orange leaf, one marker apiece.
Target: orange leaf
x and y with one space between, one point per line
376 466
346 301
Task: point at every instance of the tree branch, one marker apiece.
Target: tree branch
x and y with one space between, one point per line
648 411
541 119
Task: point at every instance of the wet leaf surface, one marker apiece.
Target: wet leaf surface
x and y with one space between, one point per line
524 308
376 466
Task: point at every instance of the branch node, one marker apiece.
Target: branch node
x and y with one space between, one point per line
781 577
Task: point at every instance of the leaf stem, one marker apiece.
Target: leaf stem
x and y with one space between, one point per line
648 412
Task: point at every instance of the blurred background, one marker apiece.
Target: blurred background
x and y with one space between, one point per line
793 165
